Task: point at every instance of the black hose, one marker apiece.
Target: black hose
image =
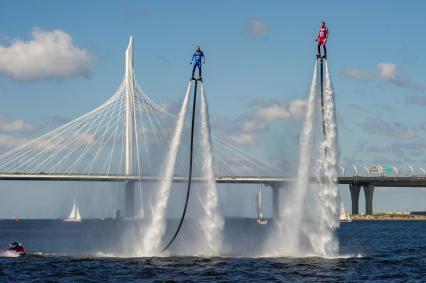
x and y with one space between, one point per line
188 190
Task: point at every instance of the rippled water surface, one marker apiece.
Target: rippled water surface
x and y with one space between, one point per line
377 250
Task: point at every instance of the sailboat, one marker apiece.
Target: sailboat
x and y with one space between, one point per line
74 215
260 219
343 216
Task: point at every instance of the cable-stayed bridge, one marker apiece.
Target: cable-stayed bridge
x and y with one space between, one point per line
127 135
126 139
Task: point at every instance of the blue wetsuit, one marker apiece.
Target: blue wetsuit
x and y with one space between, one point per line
196 61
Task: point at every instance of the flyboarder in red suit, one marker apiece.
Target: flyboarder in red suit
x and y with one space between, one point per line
322 40
17 248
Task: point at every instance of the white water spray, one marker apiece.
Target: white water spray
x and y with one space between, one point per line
324 240
211 222
289 226
310 212
155 229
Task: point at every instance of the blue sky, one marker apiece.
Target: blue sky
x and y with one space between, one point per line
260 57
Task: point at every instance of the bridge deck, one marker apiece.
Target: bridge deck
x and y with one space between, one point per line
123 178
380 181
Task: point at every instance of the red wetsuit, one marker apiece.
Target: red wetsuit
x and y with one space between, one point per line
322 36
19 250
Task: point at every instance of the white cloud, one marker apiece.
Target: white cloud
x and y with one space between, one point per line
275 110
245 129
272 112
256 28
253 125
48 55
169 107
243 139
297 108
14 125
386 71
17 126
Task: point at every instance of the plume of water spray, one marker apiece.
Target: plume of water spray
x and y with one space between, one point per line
310 215
289 226
211 222
324 240
151 243
329 148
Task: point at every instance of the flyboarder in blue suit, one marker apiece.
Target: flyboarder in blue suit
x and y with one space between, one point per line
196 61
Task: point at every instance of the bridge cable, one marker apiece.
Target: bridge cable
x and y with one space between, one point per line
188 190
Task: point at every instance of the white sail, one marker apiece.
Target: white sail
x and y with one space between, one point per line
343 216
74 214
77 213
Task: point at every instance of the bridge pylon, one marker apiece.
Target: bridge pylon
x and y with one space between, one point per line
355 190
368 193
130 190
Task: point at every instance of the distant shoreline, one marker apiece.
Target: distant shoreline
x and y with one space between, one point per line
388 216
382 216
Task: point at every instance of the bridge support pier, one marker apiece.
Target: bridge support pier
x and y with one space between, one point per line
355 189
368 192
129 199
275 201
